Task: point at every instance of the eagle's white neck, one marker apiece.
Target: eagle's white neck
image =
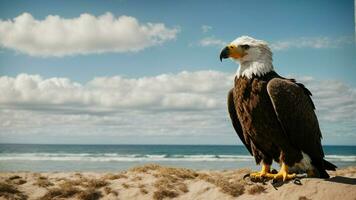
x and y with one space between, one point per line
257 62
258 68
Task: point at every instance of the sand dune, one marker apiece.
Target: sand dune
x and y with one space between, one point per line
158 182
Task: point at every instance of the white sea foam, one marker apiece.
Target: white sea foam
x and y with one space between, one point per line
115 157
107 157
342 158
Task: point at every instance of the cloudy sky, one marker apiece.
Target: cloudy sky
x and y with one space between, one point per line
130 72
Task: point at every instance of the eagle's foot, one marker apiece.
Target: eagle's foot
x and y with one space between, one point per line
261 175
283 174
264 173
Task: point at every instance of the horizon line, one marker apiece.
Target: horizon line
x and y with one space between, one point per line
103 144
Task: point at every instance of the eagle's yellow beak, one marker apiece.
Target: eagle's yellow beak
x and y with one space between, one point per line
232 51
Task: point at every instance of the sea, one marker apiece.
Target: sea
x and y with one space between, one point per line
104 158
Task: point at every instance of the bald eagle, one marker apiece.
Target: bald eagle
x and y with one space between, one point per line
273 116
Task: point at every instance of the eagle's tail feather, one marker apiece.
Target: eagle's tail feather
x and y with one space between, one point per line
323 173
321 168
329 166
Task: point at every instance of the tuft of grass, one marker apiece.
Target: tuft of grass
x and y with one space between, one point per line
145 168
183 187
143 191
256 189
67 184
64 191
162 193
19 181
14 177
177 173
7 188
77 182
72 188
229 185
234 188
85 182
42 178
206 177
43 182
96 183
10 192
36 174
125 185
114 193
61 179
111 176
78 174
303 198
170 181
108 190
137 178
59 193
166 183
89 194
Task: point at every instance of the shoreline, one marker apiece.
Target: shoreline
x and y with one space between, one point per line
158 182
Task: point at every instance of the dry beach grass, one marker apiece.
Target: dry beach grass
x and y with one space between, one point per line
158 182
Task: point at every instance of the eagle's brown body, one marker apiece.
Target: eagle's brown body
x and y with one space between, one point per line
275 119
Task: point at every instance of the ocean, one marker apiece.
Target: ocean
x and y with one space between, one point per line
43 158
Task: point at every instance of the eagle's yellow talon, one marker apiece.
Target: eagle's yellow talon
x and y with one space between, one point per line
264 173
283 173
284 176
260 175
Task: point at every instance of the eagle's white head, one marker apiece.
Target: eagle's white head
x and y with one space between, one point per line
254 56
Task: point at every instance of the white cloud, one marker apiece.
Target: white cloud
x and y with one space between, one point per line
186 90
186 104
311 42
206 28
167 105
211 41
334 100
56 36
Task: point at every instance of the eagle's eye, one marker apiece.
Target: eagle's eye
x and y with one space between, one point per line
245 46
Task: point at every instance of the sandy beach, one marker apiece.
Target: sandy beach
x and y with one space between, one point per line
159 182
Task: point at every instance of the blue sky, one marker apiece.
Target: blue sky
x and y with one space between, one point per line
312 40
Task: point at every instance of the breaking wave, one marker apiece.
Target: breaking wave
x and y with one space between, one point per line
114 157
